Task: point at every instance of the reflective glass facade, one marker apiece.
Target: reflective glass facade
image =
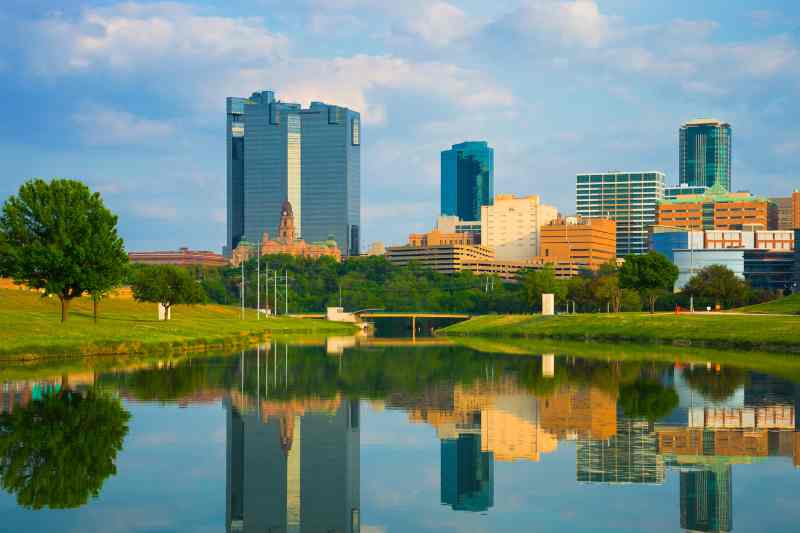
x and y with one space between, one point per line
629 198
467 179
312 157
705 154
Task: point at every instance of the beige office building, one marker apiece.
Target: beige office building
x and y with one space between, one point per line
511 226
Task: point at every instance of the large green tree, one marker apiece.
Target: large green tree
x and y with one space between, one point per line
539 282
166 285
58 451
652 274
720 284
647 399
58 236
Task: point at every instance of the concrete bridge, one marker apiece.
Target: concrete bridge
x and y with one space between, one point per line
359 316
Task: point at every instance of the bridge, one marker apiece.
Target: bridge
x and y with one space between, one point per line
373 314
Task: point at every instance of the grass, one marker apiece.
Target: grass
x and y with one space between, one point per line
789 305
785 365
30 327
768 333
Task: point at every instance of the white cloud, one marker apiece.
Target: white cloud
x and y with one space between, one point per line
156 212
130 36
571 23
440 23
103 126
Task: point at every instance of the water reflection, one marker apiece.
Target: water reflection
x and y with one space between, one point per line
294 416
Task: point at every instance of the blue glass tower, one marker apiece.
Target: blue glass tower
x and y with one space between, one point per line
467 179
467 474
278 151
705 154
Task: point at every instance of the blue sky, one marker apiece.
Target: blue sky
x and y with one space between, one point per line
130 96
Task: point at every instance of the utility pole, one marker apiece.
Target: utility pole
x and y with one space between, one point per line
275 295
266 284
286 292
258 282
242 290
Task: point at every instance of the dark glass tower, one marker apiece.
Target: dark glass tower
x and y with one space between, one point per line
311 157
706 499
705 154
467 179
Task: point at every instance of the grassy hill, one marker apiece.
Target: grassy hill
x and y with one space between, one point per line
771 333
790 305
30 327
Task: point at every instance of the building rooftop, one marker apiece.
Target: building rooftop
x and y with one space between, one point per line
705 122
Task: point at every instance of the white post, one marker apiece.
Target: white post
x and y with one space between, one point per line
548 304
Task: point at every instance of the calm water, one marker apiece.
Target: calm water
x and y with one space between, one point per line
388 437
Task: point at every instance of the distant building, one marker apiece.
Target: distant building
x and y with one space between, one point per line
717 209
628 198
438 238
763 269
312 157
453 224
467 179
630 456
588 243
180 257
706 499
665 239
286 243
796 209
443 258
704 153
784 214
376 248
511 226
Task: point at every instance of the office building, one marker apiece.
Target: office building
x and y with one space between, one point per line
670 193
511 226
467 179
467 474
588 243
763 269
439 238
796 209
784 214
629 199
279 151
180 257
717 209
705 153
665 239
443 258
291 471
453 224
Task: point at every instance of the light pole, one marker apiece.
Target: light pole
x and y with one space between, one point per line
242 290
258 282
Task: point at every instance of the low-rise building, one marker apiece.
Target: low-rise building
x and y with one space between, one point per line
784 213
763 269
441 258
438 238
717 209
180 257
796 209
665 239
453 224
586 243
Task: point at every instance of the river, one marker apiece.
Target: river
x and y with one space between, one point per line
383 435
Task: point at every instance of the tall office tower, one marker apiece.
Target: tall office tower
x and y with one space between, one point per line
293 472
467 474
705 153
628 198
311 157
467 180
511 226
706 499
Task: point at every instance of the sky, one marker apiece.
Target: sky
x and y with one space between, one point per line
130 97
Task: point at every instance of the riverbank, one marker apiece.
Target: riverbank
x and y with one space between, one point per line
761 332
30 327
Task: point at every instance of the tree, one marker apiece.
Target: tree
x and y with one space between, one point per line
167 285
59 237
652 274
542 281
647 399
58 451
720 284
630 300
606 288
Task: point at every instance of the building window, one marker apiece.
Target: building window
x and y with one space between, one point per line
355 132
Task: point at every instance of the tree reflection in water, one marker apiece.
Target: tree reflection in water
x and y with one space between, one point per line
58 451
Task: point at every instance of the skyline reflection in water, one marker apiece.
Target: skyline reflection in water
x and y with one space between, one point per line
384 436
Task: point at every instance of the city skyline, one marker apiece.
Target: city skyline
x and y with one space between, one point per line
148 137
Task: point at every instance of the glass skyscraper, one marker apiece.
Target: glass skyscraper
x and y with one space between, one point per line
629 198
705 153
467 180
279 151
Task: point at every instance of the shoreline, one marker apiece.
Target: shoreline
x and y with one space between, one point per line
741 332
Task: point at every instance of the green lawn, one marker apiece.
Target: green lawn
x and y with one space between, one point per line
30 326
790 305
771 333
